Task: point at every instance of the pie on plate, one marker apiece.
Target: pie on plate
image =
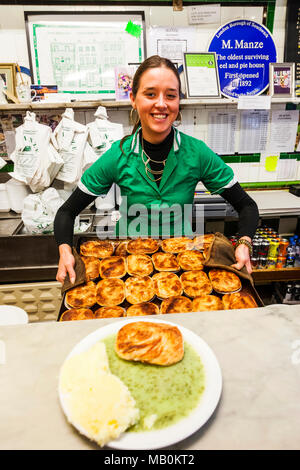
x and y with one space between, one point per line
139 265
177 244
238 300
110 292
77 314
139 289
206 302
82 296
166 285
195 283
112 267
190 260
153 343
145 308
110 312
224 282
142 246
97 248
165 262
179 304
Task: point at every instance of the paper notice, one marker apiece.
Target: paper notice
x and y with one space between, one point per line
222 132
253 131
283 131
200 14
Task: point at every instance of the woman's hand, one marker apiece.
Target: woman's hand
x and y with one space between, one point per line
242 256
66 264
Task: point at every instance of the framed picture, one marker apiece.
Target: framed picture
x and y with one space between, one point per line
8 78
282 79
201 75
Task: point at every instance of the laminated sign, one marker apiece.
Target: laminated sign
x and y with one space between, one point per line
244 51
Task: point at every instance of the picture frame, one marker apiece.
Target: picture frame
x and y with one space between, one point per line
201 75
282 79
8 76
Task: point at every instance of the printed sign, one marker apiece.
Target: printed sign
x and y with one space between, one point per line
244 50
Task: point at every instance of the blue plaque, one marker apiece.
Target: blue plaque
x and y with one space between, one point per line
244 50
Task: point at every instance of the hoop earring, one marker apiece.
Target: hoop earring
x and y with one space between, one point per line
133 120
178 120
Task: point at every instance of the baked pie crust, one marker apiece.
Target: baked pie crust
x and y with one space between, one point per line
177 304
139 265
112 267
145 308
195 283
190 260
110 292
203 242
82 296
77 314
205 302
167 285
224 282
121 248
109 312
177 244
92 267
165 262
153 343
238 300
97 248
139 289
142 246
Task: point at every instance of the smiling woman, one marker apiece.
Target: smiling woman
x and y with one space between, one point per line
157 168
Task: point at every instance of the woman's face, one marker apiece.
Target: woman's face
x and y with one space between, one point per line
157 103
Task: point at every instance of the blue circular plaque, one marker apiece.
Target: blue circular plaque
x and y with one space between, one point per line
244 50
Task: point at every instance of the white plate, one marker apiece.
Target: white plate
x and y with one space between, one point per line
185 427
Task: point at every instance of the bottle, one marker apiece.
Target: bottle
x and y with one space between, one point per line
288 293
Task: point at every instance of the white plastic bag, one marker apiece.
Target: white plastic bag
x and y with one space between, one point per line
102 132
39 211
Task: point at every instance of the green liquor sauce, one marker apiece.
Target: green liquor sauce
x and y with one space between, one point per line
163 394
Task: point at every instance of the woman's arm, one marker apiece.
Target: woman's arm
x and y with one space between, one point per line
64 231
247 209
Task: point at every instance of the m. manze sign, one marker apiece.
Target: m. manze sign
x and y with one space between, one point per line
244 50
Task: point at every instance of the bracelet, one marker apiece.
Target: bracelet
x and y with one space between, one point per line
242 241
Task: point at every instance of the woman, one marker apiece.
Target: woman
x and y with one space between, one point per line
156 167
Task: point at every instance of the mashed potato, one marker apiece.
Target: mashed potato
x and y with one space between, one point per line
96 402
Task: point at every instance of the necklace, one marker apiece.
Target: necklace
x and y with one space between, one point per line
149 170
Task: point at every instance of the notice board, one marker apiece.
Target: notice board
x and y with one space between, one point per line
78 52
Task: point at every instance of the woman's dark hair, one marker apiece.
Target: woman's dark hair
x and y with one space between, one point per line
152 62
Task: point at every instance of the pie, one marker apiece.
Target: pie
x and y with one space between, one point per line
121 248
224 281
205 302
202 242
177 244
142 246
190 260
238 300
153 343
146 308
92 267
195 283
112 266
109 312
167 285
82 296
77 314
179 304
139 289
110 292
139 265
165 262
97 248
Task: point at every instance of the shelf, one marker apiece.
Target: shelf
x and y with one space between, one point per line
270 275
81 105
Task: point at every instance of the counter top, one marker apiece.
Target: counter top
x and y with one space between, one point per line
258 351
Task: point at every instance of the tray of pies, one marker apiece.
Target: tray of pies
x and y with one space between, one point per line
149 277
